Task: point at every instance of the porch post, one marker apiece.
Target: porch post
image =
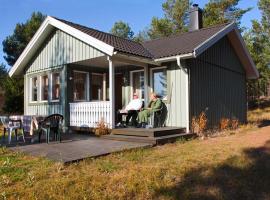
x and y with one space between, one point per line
146 94
111 92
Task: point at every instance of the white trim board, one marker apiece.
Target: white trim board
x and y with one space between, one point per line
45 29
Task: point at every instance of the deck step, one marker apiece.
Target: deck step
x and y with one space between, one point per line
153 132
149 140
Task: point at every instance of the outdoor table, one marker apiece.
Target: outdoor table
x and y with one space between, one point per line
30 123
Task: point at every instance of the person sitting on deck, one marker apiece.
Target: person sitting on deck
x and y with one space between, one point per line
154 105
131 110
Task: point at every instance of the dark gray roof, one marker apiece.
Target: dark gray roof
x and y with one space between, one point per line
164 47
182 43
120 44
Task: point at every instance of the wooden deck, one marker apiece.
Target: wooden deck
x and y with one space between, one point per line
151 132
152 135
76 147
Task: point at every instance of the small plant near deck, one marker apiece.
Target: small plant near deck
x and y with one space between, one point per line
102 128
224 124
235 124
199 124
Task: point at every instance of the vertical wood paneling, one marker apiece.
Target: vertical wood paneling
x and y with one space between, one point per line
59 49
218 84
43 109
177 86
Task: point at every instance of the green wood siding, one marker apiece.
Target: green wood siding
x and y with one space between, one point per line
59 49
218 83
176 83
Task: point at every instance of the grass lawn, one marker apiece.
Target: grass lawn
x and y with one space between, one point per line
236 166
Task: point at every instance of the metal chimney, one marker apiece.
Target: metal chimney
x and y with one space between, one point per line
195 18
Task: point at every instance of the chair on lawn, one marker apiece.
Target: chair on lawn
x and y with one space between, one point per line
51 124
10 126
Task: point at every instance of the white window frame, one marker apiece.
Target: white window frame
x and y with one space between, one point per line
104 85
40 87
131 83
51 86
152 76
87 85
31 89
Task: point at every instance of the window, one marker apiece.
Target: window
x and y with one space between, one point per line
98 84
138 83
44 88
34 89
55 86
159 82
80 86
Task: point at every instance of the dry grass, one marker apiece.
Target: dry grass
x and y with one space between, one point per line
217 168
259 116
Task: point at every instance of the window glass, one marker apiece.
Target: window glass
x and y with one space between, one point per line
34 88
97 87
55 86
80 86
138 83
44 87
160 82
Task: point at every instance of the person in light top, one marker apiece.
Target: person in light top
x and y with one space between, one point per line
131 110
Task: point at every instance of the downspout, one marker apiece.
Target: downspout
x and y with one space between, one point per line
178 60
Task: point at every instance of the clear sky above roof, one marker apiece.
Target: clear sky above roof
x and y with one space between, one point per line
99 14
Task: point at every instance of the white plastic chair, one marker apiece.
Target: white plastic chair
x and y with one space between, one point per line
12 126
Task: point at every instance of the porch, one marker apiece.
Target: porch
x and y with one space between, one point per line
99 87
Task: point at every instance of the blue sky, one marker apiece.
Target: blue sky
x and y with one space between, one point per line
99 14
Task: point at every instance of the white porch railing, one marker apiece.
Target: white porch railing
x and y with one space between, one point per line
87 114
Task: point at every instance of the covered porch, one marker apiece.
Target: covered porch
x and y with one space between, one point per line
98 87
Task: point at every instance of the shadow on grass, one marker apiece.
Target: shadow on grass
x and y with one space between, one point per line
264 123
233 179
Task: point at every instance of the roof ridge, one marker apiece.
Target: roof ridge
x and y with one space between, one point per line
97 30
184 33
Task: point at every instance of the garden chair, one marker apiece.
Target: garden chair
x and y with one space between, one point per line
11 126
51 124
158 119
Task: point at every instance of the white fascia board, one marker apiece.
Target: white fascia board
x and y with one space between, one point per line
102 46
212 40
30 45
48 22
173 58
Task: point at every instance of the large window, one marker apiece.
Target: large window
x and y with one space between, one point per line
138 83
34 89
98 87
159 82
80 86
44 88
56 86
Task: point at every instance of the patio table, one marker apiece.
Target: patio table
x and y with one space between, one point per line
30 123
